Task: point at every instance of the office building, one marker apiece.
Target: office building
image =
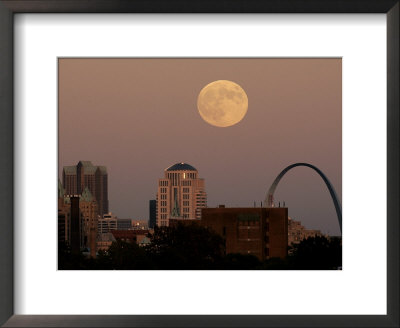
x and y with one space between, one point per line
75 224
88 216
124 224
152 213
63 217
297 232
107 223
181 194
262 232
63 232
86 175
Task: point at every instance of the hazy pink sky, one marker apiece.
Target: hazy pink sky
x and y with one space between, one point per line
139 116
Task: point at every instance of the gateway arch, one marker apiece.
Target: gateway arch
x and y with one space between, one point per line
270 196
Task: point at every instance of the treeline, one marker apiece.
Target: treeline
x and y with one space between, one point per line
196 248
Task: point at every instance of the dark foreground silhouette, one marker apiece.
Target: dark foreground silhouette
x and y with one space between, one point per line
196 248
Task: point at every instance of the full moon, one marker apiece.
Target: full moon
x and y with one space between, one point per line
222 103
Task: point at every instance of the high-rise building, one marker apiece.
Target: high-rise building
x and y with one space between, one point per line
152 213
262 232
88 217
89 210
75 225
85 174
64 230
107 223
181 194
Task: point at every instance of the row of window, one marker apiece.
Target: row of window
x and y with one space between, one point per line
184 190
164 210
184 175
245 224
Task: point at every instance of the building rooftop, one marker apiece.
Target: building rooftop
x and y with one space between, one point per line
89 168
85 163
181 167
70 170
103 169
128 234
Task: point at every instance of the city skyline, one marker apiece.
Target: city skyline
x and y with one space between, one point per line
136 124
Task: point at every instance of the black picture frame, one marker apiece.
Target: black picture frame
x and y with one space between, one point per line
10 7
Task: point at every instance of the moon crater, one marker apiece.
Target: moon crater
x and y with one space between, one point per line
222 103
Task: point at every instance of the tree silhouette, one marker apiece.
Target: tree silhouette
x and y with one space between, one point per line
186 246
317 253
127 256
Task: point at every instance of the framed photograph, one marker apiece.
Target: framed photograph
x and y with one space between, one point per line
199 164
125 203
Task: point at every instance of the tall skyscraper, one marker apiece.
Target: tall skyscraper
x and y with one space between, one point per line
85 174
75 225
88 218
152 213
89 210
181 194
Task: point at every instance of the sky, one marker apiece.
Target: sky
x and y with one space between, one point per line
139 116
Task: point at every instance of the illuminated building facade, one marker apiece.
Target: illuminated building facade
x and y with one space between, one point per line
297 232
107 223
181 194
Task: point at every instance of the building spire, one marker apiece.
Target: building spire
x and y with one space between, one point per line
175 211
